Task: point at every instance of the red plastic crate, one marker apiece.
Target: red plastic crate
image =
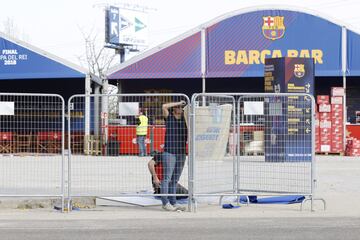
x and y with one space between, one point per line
337 91
323 99
336 100
324 108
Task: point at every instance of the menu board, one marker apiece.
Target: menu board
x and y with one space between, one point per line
288 137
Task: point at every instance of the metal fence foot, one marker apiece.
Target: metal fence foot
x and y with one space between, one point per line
220 200
192 206
312 200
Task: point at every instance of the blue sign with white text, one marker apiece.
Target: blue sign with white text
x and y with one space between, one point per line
112 25
19 62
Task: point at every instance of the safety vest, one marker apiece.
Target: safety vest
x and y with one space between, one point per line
141 129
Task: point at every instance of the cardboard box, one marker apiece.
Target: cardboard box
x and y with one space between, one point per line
337 92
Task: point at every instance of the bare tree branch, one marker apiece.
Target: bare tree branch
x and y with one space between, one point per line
98 59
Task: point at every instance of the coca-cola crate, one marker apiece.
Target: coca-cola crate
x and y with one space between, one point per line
336 107
336 123
325 124
355 152
324 131
337 118
337 91
317 147
323 99
337 143
325 142
324 108
325 136
324 115
336 100
336 150
325 148
337 137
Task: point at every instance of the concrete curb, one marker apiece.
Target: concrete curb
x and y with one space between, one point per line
50 203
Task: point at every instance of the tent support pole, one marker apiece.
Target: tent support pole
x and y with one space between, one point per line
87 108
344 67
203 62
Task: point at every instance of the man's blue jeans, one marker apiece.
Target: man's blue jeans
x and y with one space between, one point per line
140 139
173 165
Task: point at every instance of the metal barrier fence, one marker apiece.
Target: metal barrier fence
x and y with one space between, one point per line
214 165
113 140
281 142
238 144
32 145
271 135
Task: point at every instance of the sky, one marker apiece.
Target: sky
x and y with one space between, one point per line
58 26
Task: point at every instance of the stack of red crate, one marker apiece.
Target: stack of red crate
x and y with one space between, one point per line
337 120
317 132
337 133
324 123
353 147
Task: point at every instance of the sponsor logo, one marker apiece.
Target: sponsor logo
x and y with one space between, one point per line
299 70
273 27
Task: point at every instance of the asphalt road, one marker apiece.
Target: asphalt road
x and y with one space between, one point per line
207 228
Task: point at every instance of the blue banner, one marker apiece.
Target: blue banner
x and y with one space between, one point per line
238 46
353 54
112 26
18 62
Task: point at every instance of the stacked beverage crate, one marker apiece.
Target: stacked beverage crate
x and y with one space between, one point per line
337 133
317 131
324 123
353 147
330 130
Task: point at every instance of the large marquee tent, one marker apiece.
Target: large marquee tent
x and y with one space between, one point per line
25 68
227 54
28 69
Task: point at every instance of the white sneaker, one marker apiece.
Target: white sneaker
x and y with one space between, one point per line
179 207
169 207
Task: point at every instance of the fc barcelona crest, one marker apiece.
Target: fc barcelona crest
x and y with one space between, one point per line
273 27
299 70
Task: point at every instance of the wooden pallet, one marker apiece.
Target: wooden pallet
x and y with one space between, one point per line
331 153
254 154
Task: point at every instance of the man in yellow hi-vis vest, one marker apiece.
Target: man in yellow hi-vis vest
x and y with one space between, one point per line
141 132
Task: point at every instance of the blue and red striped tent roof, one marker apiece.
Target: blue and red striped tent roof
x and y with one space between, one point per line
236 44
